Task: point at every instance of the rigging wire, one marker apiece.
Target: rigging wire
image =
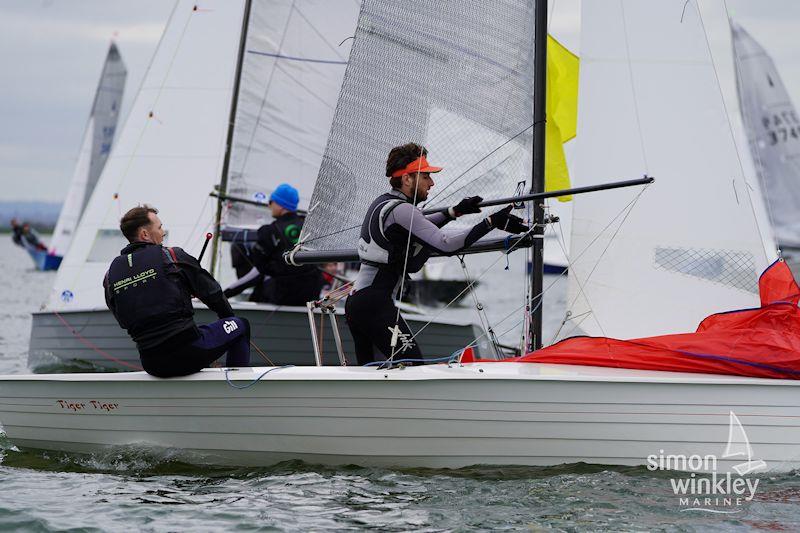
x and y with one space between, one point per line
633 87
396 332
478 162
730 126
581 292
472 282
482 316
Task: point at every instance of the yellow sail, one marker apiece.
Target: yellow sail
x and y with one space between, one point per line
562 113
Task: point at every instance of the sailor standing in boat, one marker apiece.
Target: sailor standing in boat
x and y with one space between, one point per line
149 290
397 239
285 284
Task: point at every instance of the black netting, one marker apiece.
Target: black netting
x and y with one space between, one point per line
735 269
453 75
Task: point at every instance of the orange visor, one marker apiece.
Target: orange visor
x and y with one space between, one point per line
417 165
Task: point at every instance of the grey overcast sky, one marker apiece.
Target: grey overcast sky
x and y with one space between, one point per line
51 54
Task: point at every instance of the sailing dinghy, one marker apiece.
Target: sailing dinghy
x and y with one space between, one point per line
651 76
95 149
260 77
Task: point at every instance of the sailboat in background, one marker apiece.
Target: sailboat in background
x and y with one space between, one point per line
95 148
646 68
773 131
238 98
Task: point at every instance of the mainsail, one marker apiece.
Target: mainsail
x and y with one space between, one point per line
657 261
295 58
96 146
773 131
458 79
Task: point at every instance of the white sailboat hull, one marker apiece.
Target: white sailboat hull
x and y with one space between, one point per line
433 416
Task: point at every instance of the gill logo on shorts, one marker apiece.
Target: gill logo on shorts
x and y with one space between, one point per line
230 325
292 232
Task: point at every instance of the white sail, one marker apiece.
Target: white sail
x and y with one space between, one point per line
169 152
773 130
96 147
294 62
690 246
72 207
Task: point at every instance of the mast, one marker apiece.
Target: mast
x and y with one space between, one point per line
537 177
223 182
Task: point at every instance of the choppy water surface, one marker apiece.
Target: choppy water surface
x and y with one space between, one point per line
150 490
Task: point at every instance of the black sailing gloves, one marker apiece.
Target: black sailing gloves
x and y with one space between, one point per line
466 206
505 221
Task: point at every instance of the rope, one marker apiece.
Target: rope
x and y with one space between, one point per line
91 345
267 371
737 65
262 354
633 86
396 332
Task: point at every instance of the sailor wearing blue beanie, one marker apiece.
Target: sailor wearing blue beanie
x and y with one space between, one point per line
285 196
275 281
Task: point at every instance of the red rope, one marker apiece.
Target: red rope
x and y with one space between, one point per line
89 343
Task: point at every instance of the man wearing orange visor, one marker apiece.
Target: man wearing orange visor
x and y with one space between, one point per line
396 240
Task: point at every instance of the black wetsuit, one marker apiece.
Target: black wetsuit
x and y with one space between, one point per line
16 235
149 290
371 313
286 284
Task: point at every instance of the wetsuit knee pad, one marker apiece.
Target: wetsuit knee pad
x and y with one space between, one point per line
245 324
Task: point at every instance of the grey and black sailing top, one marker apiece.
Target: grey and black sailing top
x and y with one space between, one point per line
385 237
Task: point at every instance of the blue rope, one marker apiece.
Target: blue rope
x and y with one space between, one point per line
267 371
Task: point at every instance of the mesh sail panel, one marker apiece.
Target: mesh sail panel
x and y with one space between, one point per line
453 75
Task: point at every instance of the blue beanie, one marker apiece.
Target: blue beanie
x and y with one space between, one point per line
285 196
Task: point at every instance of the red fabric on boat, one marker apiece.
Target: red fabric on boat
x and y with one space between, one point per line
761 342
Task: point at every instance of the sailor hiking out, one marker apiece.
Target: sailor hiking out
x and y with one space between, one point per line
149 289
396 240
275 281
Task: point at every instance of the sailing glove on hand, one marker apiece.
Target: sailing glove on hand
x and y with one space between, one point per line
504 220
466 206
